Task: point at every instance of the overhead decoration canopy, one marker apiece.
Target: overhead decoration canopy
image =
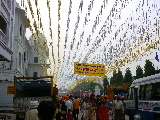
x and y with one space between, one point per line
113 33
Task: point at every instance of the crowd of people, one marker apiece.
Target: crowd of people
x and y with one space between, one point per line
68 108
92 108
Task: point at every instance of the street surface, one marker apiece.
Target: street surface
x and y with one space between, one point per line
79 117
13 116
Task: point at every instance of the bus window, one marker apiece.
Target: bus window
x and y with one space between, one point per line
142 92
157 92
148 92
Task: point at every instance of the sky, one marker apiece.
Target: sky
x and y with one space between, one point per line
81 33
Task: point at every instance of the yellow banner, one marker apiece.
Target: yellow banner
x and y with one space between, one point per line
89 69
10 90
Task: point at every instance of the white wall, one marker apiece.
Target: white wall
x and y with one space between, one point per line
5 99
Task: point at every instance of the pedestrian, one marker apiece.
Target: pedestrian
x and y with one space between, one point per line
114 98
118 108
107 101
63 110
33 113
124 104
46 110
91 108
69 115
69 104
76 104
99 103
83 108
103 111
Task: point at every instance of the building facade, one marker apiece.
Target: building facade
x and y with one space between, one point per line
7 13
25 60
18 65
38 64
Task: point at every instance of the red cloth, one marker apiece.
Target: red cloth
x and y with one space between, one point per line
103 112
69 116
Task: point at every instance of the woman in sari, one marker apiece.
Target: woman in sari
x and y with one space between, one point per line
103 111
91 107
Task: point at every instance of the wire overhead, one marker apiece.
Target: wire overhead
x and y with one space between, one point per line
93 32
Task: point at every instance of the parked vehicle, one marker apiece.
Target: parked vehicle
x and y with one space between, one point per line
29 90
144 98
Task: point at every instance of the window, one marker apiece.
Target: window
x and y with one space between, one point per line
20 30
35 59
155 95
26 72
35 74
141 92
19 59
148 92
3 25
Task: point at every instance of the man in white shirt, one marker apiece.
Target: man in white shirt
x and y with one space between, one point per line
84 111
69 104
118 108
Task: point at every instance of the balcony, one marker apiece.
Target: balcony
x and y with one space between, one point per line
5 52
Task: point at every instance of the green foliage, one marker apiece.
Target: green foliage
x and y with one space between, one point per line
105 83
117 77
149 68
128 76
113 78
139 72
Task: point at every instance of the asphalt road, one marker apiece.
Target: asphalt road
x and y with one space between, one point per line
13 116
79 117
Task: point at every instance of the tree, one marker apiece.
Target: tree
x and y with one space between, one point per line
149 68
139 72
119 77
128 76
105 83
113 78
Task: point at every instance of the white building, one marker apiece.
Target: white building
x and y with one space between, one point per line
38 64
19 63
25 60
7 13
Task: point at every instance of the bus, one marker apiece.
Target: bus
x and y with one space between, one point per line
144 98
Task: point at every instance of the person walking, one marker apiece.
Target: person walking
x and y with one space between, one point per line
91 108
63 110
83 108
107 101
69 104
124 105
118 108
69 115
76 104
103 111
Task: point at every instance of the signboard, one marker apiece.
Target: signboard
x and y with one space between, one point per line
10 90
89 69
